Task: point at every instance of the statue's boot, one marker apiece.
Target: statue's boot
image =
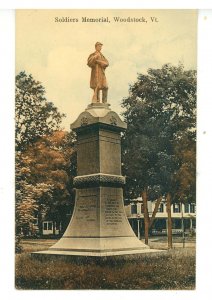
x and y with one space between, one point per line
96 96
104 95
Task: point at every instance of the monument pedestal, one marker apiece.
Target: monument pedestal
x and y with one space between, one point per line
99 226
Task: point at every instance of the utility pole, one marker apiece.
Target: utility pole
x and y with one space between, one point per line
146 217
138 223
182 225
168 199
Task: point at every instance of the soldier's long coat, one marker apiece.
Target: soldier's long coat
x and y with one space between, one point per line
98 79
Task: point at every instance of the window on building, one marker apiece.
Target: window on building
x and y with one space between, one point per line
192 208
161 208
49 225
187 208
159 224
134 209
45 226
176 208
176 223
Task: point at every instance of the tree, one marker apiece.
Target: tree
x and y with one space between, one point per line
27 195
25 201
48 160
36 122
35 116
185 177
160 111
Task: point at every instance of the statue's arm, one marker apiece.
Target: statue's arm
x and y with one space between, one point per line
92 60
103 62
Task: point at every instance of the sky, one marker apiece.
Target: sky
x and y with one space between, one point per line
56 53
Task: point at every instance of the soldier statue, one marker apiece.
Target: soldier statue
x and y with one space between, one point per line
98 63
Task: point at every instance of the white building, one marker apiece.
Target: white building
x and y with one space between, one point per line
183 217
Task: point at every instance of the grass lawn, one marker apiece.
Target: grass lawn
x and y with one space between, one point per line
173 269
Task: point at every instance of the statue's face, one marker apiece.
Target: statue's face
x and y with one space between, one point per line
98 47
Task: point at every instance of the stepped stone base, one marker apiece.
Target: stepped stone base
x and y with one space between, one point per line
96 247
63 254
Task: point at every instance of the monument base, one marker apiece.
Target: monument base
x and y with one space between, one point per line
65 254
96 247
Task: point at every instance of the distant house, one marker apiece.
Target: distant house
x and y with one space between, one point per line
50 227
183 217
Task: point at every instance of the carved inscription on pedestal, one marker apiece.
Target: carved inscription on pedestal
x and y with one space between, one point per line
87 208
113 211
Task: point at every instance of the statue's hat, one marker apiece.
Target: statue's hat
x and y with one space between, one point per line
98 43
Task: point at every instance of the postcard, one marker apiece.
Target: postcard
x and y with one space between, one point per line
106 149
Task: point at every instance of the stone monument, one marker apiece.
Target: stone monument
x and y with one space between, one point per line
99 226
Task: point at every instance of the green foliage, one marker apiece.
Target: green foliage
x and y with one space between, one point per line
185 176
27 196
50 164
43 177
44 181
161 115
35 116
